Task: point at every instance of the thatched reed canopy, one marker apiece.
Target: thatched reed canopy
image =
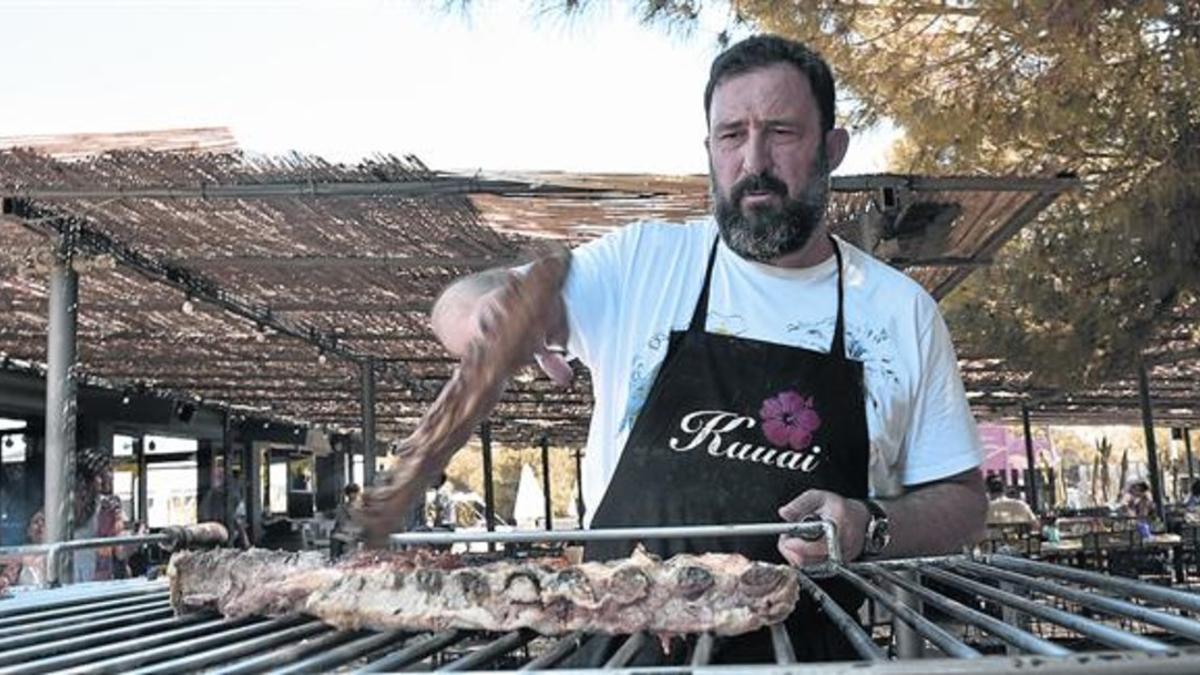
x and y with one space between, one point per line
267 284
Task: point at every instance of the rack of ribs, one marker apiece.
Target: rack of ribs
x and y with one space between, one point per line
726 594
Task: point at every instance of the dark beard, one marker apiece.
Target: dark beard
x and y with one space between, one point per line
770 232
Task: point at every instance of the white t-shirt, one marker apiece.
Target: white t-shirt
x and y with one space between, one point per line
628 290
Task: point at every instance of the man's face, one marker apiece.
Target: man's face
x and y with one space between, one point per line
768 166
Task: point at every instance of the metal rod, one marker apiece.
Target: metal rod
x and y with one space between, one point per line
229 507
1031 490
227 633
60 405
546 492
368 420
1187 448
850 627
558 652
579 506
929 630
326 660
702 654
781 643
626 651
1156 491
281 656
114 643
909 643
22 637
1177 624
489 495
43 649
1158 594
614 533
1014 636
414 652
143 480
1093 629
41 626
69 608
195 662
494 649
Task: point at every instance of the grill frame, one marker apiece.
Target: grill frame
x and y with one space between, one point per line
132 613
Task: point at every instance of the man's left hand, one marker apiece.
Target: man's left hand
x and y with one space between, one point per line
850 515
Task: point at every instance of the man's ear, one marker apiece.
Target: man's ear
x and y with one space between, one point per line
837 140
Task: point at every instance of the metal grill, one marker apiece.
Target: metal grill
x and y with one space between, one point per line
979 615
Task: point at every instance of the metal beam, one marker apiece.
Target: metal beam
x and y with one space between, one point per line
438 187
1031 490
546 492
1187 445
1151 449
61 401
319 262
489 495
368 421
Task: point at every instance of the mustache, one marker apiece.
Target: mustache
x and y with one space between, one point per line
757 183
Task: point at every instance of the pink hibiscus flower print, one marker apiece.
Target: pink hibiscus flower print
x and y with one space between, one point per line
788 419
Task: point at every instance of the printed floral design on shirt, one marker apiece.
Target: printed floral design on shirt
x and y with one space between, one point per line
641 378
726 324
872 346
788 419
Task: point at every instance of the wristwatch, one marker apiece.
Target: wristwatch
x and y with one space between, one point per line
878 534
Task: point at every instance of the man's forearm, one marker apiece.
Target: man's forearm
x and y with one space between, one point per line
939 518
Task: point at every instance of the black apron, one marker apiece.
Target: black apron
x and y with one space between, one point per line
732 429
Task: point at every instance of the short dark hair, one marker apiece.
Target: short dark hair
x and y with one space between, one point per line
995 485
765 50
351 489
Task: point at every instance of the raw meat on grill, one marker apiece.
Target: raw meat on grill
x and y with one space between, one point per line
508 341
722 593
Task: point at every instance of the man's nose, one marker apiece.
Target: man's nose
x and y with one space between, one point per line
757 157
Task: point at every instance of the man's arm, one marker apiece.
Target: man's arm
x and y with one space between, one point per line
930 519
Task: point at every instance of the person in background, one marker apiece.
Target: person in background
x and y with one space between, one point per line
1192 502
345 533
1137 502
26 570
1003 509
98 514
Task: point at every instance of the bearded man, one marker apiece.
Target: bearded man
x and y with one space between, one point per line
750 367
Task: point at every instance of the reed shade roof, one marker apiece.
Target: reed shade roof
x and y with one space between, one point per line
286 258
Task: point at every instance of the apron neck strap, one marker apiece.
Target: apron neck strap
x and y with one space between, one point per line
837 348
701 312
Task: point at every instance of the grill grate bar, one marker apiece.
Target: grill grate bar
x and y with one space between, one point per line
702 654
558 652
49 624
75 658
626 651
359 646
193 662
781 642
494 649
90 609
74 599
75 644
1095 630
1164 596
415 651
949 644
44 637
1121 608
226 634
284 655
849 626
1010 634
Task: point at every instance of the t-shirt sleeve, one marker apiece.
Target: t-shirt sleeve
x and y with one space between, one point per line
593 289
941 439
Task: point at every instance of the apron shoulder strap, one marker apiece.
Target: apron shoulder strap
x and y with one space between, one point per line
838 348
701 312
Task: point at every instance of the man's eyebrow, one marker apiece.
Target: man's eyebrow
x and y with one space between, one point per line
732 124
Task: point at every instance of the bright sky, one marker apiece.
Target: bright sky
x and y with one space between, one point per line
502 88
